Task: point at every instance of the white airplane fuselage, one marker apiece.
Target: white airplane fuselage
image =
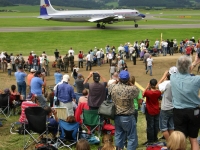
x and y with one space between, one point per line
47 12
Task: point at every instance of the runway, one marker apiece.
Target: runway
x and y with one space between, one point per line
108 27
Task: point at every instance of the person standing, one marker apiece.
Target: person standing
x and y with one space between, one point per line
149 64
98 54
152 111
186 102
97 90
171 44
20 76
65 94
88 61
66 63
9 69
71 51
146 55
12 58
30 61
29 78
79 86
71 61
134 56
125 125
37 82
56 53
57 76
80 59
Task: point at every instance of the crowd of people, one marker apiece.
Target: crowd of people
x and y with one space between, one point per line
177 89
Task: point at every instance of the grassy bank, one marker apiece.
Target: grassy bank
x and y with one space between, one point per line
24 42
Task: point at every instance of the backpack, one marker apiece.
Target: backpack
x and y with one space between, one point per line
17 60
134 54
102 55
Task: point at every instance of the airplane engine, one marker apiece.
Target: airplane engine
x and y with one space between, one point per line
120 17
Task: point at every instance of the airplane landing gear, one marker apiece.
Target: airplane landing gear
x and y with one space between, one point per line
103 27
136 25
98 25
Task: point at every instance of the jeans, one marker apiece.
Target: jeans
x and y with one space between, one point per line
9 72
166 121
80 63
152 127
75 77
164 51
42 101
35 67
125 125
89 64
78 95
21 86
171 50
99 61
149 68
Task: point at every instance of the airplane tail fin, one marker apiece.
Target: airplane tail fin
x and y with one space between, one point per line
46 8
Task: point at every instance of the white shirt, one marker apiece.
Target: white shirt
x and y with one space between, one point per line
149 61
110 56
71 51
88 57
98 54
131 49
41 60
157 42
165 44
142 46
121 48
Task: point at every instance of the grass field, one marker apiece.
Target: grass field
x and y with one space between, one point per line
84 40
182 17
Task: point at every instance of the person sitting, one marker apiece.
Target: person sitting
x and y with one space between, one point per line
84 98
82 144
177 141
30 102
107 143
15 98
71 119
52 121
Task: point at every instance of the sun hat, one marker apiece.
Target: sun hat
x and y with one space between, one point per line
173 70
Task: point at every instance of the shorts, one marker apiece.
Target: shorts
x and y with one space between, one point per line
166 121
186 121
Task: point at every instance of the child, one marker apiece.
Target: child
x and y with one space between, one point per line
113 69
9 69
75 74
82 144
107 143
152 111
177 140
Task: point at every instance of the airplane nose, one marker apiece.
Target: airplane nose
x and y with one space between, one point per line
142 15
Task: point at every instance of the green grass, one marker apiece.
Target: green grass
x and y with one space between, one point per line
84 40
115 4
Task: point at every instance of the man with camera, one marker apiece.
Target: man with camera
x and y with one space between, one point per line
37 82
97 90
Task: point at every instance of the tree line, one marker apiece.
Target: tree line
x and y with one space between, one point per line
100 4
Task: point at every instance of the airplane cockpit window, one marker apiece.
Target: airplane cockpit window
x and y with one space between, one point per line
136 12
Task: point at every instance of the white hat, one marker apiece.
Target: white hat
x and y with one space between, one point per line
33 70
65 78
95 47
173 70
192 37
32 51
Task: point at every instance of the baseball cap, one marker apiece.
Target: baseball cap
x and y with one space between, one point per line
96 77
173 70
33 70
124 75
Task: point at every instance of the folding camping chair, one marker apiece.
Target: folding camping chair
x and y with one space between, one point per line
62 112
37 123
4 105
91 119
69 132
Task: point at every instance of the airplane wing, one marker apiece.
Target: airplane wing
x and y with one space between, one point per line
102 19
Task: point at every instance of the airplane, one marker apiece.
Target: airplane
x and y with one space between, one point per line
47 12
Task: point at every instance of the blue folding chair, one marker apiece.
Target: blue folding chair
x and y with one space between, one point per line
69 132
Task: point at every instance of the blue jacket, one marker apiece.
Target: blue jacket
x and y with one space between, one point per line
64 92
